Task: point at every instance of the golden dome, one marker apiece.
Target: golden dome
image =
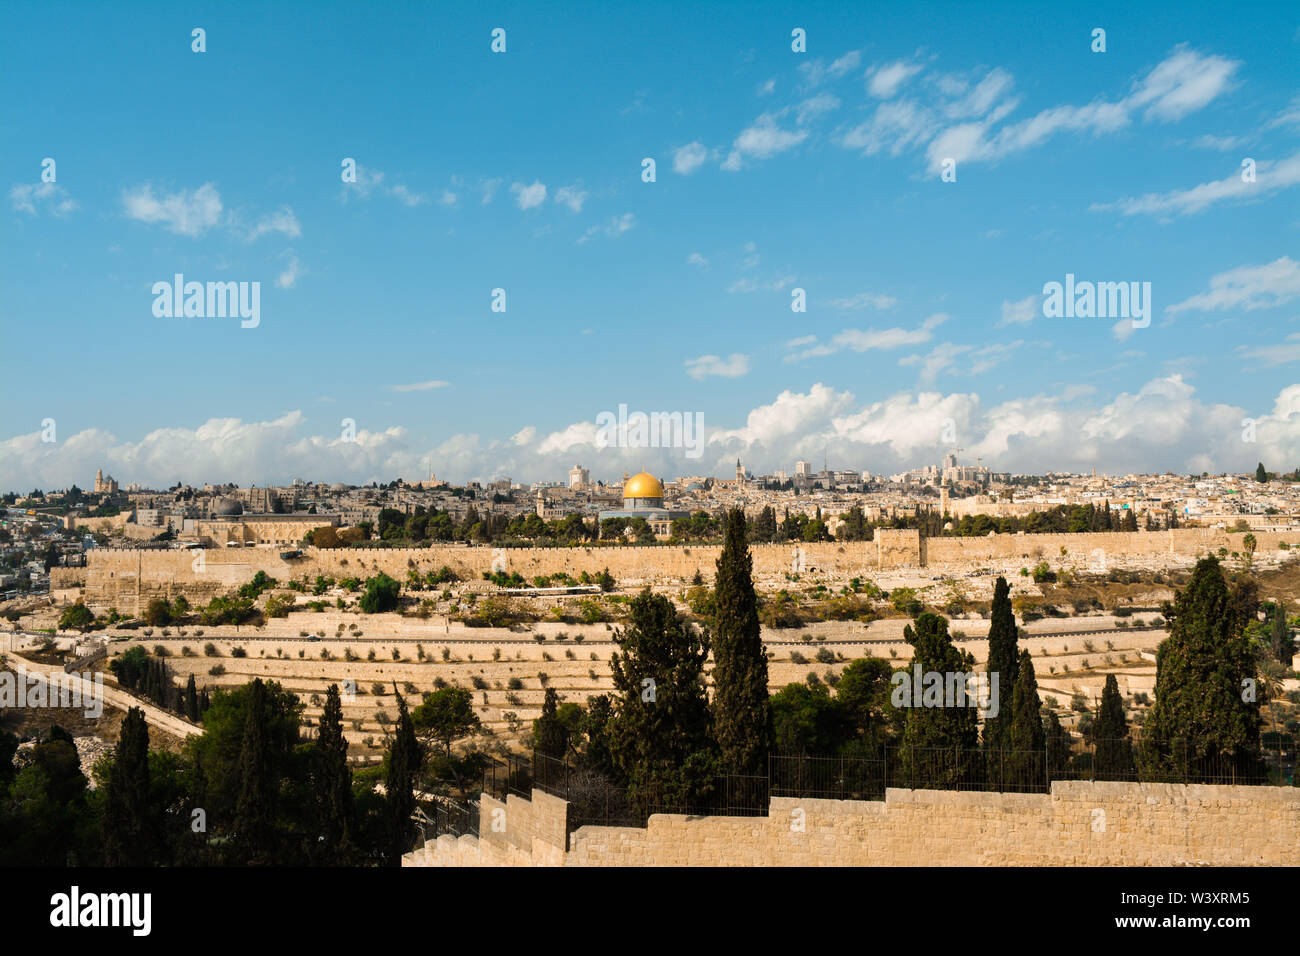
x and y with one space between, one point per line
644 485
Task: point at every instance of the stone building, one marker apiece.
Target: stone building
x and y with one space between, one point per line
105 486
643 497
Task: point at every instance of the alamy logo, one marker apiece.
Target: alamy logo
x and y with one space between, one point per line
74 909
655 430
20 689
945 689
1098 300
212 300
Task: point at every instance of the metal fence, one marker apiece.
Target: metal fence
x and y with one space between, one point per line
449 816
595 800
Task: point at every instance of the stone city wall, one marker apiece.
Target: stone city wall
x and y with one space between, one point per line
1077 824
129 579
121 521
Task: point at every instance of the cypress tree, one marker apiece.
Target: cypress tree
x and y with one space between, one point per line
1003 661
658 733
1057 742
333 783
1028 741
596 727
255 809
551 737
741 716
404 758
1280 635
1114 757
130 821
1199 724
1260 474
191 700
936 745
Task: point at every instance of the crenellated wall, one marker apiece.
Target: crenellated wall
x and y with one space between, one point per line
129 579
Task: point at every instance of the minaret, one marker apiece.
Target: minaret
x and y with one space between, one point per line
740 471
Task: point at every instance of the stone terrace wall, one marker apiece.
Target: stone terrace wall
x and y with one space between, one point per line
129 579
1082 549
1078 823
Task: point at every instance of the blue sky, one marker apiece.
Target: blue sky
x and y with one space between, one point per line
776 170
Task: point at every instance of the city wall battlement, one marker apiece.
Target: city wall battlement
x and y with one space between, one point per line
128 579
1079 823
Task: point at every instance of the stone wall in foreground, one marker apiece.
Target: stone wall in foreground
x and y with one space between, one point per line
1077 824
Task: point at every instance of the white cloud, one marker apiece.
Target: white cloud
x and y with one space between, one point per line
867 340
750 284
27 196
289 277
407 197
789 416
1271 356
815 106
763 140
975 361
888 79
185 213
1164 425
986 94
1287 117
816 71
372 182
580 433
733 366
1248 288
420 386
448 198
696 259
367 181
1270 177
940 357
766 87
283 221
1021 312
896 125
984 359
614 228
1221 143
1185 81
529 197
1182 83
571 196
864 300
688 158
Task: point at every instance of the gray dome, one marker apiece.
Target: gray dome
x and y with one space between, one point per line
695 486
338 486
226 507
